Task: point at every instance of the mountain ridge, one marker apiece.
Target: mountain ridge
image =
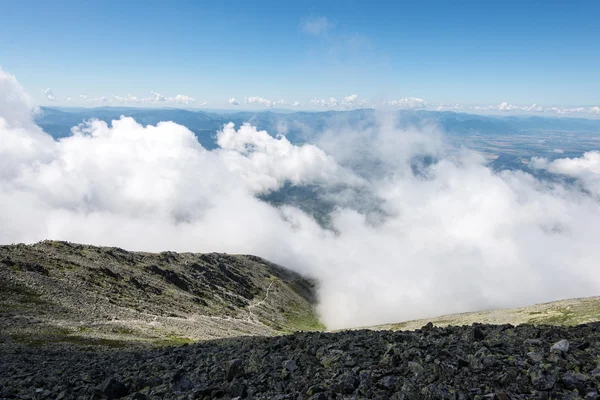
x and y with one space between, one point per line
63 292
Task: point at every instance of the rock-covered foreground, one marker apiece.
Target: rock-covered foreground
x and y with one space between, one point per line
476 362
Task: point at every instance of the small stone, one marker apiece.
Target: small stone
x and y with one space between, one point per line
574 380
237 389
290 365
113 389
561 346
234 369
408 392
315 389
388 382
427 327
182 384
542 380
349 383
535 356
532 342
415 368
502 396
478 334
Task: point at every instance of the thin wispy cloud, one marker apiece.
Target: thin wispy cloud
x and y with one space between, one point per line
156 98
316 26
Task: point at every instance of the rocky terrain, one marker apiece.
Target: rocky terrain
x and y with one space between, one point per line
65 293
476 362
91 322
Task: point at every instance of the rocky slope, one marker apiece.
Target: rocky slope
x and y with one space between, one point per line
103 323
58 292
477 362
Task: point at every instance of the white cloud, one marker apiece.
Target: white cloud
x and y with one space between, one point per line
183 99
408 102
455 237
233 101
259 100
353 101
158 97
49 95
534 108
316 26
350 100
331 102
126 99
267 162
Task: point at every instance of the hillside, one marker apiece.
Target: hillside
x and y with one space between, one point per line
80 321
562 313
58 292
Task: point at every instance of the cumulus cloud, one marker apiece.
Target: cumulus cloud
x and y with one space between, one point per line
258 100
233 101
331 102
183 99
158 97
353 101
408 102
265 102
438 236
586 169
316 26
49 95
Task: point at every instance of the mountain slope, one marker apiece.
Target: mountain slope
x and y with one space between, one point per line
63 292
560 313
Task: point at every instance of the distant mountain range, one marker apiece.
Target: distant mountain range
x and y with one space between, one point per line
304 126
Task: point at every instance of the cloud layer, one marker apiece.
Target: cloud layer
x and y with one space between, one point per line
407 238
351 101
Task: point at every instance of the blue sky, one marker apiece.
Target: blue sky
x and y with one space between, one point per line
473 53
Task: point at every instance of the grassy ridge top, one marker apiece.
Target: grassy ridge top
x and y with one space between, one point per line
563 312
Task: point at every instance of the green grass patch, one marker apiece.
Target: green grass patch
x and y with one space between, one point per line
172 340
